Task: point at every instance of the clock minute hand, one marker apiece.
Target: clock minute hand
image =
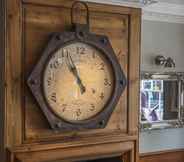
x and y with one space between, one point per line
73 69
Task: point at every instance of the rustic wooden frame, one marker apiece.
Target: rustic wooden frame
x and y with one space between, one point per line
12 125
124 149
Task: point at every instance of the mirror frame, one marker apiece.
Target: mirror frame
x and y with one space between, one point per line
165 124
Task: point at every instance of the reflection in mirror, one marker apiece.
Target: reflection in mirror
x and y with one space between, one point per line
161 100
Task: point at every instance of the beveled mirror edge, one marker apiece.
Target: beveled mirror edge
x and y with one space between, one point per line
166 124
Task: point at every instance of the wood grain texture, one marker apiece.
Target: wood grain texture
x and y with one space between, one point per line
37 34
77 154
2 84
13 71
134 71
29 24
168 156
93 6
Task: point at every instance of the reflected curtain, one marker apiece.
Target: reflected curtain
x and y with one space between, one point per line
170 100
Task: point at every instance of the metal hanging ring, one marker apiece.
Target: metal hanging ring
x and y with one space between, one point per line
72 11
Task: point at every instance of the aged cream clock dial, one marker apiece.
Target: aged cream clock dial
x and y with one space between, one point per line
78 82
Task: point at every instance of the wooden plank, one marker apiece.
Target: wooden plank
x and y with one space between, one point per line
93 6
13 71
169 156
81 153
134 71
59 145
2 84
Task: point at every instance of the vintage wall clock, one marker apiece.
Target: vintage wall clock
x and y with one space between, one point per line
78 80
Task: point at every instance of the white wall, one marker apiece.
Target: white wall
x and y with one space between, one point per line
162 38
167 39
159 140
173 1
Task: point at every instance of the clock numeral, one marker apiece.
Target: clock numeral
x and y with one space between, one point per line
81 50
102 66
92 107
106 82
60 61
64 107
54 65
78 112
49 81
101 96
62 53
53 97
93 90
93 54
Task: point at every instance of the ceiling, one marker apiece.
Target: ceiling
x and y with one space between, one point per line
165 11
173 1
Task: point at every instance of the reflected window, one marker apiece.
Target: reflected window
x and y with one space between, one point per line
159 100
152 102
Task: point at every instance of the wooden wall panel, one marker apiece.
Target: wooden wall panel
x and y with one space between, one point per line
170 156
134 72
24 131
2 62
78 153
13 73
39 23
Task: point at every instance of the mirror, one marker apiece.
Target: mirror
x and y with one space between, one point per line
161 100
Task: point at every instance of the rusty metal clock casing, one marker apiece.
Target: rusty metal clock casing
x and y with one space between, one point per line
59 40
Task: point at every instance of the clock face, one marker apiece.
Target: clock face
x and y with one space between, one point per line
78 81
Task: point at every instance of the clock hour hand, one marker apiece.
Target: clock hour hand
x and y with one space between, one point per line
74 71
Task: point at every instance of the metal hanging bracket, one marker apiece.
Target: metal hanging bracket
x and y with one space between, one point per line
80 28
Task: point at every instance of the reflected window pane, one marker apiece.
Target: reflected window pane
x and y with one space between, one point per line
170 100
159 100
152 100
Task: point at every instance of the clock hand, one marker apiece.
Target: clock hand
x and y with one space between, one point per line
74 71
